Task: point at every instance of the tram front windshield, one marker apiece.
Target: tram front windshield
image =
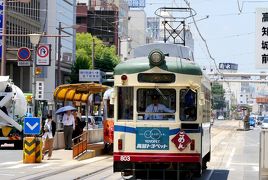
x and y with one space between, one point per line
156 104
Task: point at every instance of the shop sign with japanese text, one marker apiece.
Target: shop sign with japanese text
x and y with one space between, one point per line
152 138
261 38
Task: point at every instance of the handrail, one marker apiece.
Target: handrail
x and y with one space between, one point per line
79 145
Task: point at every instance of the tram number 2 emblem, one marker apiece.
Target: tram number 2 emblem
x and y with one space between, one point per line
124 158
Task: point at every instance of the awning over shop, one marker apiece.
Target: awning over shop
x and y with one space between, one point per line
77 92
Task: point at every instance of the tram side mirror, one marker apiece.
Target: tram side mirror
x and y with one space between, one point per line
201 99
112 98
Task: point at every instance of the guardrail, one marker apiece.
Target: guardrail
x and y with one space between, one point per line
79 145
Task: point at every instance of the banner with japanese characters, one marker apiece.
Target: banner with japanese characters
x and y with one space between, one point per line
1 25
262 38
151 138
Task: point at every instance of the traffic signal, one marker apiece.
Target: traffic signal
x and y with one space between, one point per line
29 98
38 71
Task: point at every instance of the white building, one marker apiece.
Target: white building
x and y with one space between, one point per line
64 12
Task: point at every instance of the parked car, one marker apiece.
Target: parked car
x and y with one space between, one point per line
220 118
260 119
252 121
265 123
94 121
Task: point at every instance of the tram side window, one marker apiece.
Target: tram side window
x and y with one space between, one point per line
156 104
125 103
188 105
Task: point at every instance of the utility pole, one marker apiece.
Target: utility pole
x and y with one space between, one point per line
3 58
59 55
93 53
34 82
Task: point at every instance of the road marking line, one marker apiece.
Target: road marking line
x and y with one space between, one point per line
44 165
247 164
4 174
230 158
210 174
10 163
20 166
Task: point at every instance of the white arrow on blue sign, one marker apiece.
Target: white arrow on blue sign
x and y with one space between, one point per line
32 125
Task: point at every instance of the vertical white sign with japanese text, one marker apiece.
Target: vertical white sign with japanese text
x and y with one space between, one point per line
1 25
262 38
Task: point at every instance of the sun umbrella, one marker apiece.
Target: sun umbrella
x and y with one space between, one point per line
65 108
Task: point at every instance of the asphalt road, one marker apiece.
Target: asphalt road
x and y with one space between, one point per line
234 157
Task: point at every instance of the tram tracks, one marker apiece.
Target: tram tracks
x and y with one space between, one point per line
48 174
92 174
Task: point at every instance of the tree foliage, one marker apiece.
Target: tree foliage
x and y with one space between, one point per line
82 62
105 58
218 96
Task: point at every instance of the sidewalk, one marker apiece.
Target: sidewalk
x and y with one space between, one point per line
61 155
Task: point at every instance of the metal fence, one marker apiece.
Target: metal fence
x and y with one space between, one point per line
79 145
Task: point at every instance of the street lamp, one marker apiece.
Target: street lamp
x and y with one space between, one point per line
35 39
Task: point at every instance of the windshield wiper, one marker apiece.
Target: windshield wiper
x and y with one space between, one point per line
160 92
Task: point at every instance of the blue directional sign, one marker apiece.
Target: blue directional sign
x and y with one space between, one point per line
32 125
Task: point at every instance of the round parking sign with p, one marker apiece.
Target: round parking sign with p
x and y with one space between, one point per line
42 51
24 53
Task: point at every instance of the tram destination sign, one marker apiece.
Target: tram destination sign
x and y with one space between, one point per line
152 138
261 38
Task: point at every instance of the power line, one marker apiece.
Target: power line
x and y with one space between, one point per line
241 6
203 39
205 42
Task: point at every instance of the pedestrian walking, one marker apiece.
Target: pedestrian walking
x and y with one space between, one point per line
49 130
68 127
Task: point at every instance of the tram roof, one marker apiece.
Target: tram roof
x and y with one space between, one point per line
77 92
173 64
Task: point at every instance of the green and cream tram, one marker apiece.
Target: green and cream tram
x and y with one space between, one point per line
162 111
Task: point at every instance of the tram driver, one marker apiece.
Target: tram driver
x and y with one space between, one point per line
156 107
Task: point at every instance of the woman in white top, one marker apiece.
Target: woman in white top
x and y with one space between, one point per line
49 131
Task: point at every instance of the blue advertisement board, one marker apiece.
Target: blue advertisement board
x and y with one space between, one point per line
152 138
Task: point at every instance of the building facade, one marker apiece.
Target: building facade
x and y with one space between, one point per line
58 13
107 20
21 19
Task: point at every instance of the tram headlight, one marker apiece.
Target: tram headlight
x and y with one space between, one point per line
156 58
